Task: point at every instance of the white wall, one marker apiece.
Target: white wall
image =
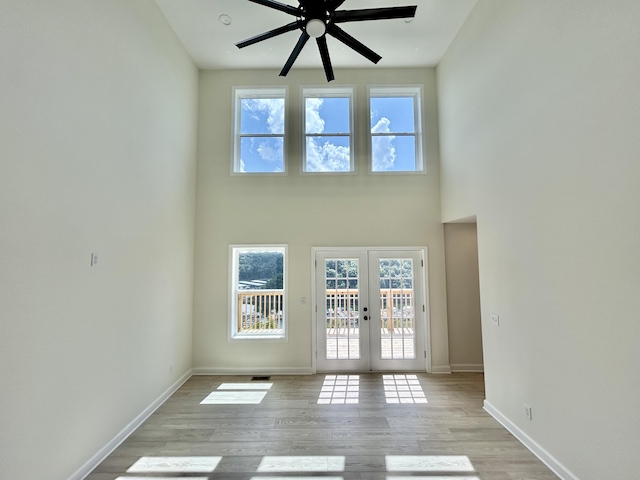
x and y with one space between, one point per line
98 111
304 211
539 115
463 296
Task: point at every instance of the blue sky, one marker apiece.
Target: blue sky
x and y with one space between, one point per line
393 115
328 116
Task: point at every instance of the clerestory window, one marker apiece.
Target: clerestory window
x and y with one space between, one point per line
259 131
328 129
396 129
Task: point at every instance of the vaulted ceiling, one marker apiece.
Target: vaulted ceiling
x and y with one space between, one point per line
419 43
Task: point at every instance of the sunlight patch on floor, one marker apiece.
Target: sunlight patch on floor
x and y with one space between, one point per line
175 465
339 390
297 478
161 478
283 464
233 398
429 463
403 389
432 478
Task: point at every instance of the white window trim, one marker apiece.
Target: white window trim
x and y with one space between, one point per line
240 93
386 91
232 326
345 91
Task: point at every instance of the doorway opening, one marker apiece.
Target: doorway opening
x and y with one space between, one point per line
463 297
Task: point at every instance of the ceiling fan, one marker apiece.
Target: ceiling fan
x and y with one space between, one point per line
317 18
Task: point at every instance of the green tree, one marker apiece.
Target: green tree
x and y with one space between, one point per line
260 266
275 283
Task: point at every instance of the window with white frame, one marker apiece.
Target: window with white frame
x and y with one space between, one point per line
328 128
259 130
258 291
396 129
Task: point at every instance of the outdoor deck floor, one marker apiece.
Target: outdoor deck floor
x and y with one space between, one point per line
342 341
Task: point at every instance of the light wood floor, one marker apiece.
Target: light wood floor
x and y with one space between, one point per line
289 435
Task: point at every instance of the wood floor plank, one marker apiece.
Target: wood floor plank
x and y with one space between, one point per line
297 424
407 447
314 434
326 411
214 448
354 423
212 423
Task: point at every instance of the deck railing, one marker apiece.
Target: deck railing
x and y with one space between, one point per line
263 309
260 310
396 308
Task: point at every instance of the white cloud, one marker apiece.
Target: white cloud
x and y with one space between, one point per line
327 157
383 147
314 123
269 152
382 126
272 107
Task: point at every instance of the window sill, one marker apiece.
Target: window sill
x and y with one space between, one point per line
260 337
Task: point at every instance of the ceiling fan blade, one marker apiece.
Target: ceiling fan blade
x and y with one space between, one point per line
270 34
278 6
333 4
351 42
326 59
294 54
342 16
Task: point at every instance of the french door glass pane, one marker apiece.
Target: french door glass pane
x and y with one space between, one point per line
397 315
342 282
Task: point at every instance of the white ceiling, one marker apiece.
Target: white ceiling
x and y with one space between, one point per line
421 43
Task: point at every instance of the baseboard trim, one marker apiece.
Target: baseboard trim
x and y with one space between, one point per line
545 457
105 451
467 367
442 369
253 371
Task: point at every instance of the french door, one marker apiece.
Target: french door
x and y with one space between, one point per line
370 310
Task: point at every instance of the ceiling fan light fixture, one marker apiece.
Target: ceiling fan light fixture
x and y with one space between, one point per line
316 28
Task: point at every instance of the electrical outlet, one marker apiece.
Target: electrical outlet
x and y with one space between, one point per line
94 259
170 369
495 319
527 412
303 300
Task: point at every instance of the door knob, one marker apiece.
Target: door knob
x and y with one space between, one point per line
365 318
